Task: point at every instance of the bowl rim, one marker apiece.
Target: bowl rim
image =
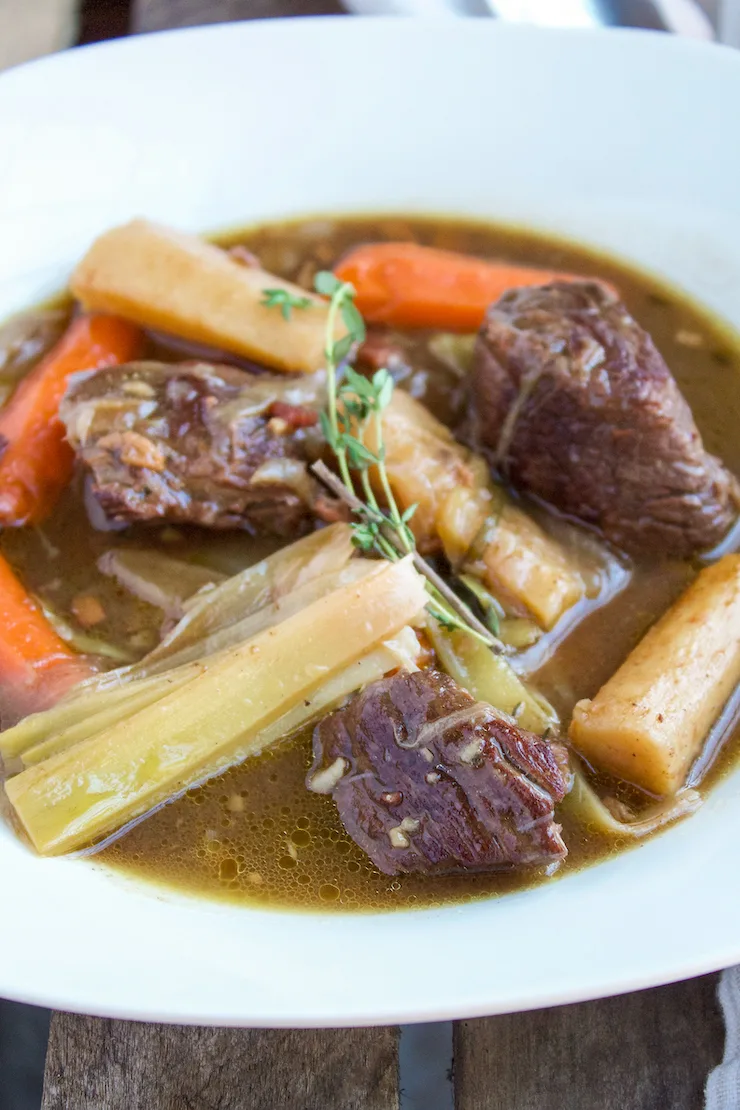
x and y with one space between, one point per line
356 1011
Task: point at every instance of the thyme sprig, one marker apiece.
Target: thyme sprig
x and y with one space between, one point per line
355 407
284 300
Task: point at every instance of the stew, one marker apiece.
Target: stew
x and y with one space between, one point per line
364 563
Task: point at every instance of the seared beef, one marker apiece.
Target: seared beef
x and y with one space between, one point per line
427 779
197 443
574 403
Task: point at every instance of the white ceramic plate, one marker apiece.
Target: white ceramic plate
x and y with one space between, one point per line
624 140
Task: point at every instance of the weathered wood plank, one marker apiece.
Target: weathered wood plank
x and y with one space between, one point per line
95 1064
157 15
104 19
641 1051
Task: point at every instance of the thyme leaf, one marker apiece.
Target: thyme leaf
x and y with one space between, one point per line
356 403
284 300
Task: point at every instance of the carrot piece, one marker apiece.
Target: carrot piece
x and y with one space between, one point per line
36 463
411 286
36 666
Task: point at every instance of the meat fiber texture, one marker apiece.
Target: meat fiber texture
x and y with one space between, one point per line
572 401
426 779
195 443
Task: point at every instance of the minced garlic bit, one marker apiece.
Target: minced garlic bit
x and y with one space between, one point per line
398 838
324 781
471 751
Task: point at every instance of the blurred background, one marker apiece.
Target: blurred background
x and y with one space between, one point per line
32 28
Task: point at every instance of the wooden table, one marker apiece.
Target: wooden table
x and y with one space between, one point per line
645 1051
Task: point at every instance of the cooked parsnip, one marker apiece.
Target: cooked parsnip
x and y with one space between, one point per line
180 284
648 723
460 509
427 467
217 719
524 566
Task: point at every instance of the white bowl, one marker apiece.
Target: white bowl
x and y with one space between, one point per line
621 139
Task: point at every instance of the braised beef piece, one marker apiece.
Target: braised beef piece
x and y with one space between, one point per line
197 443
427 779
573 402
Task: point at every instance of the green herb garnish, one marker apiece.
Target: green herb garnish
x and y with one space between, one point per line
355 405
284 300
492 609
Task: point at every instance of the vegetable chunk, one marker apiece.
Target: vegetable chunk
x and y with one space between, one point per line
422 287
82 795
36 462
650 720
459 509
182 285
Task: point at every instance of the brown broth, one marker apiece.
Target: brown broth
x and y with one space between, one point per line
255 834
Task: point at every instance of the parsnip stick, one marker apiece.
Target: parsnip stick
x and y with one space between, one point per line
458 506
650 720
522 565
79 796
180 284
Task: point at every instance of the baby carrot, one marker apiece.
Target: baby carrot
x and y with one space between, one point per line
421 287
35 459
30 649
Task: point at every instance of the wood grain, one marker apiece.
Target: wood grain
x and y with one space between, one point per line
157 15
94 1064
645 1051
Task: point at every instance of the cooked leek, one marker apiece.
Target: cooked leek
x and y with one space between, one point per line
217 719
585 804
147 691
67 713
224 617
110 696
267 581
81 641
137 696
157 578
490 678
266 617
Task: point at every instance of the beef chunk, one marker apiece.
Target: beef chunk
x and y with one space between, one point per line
427 779
574 403
196 443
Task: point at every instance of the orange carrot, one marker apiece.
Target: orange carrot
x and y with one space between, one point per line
35 459
36 666
421 287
